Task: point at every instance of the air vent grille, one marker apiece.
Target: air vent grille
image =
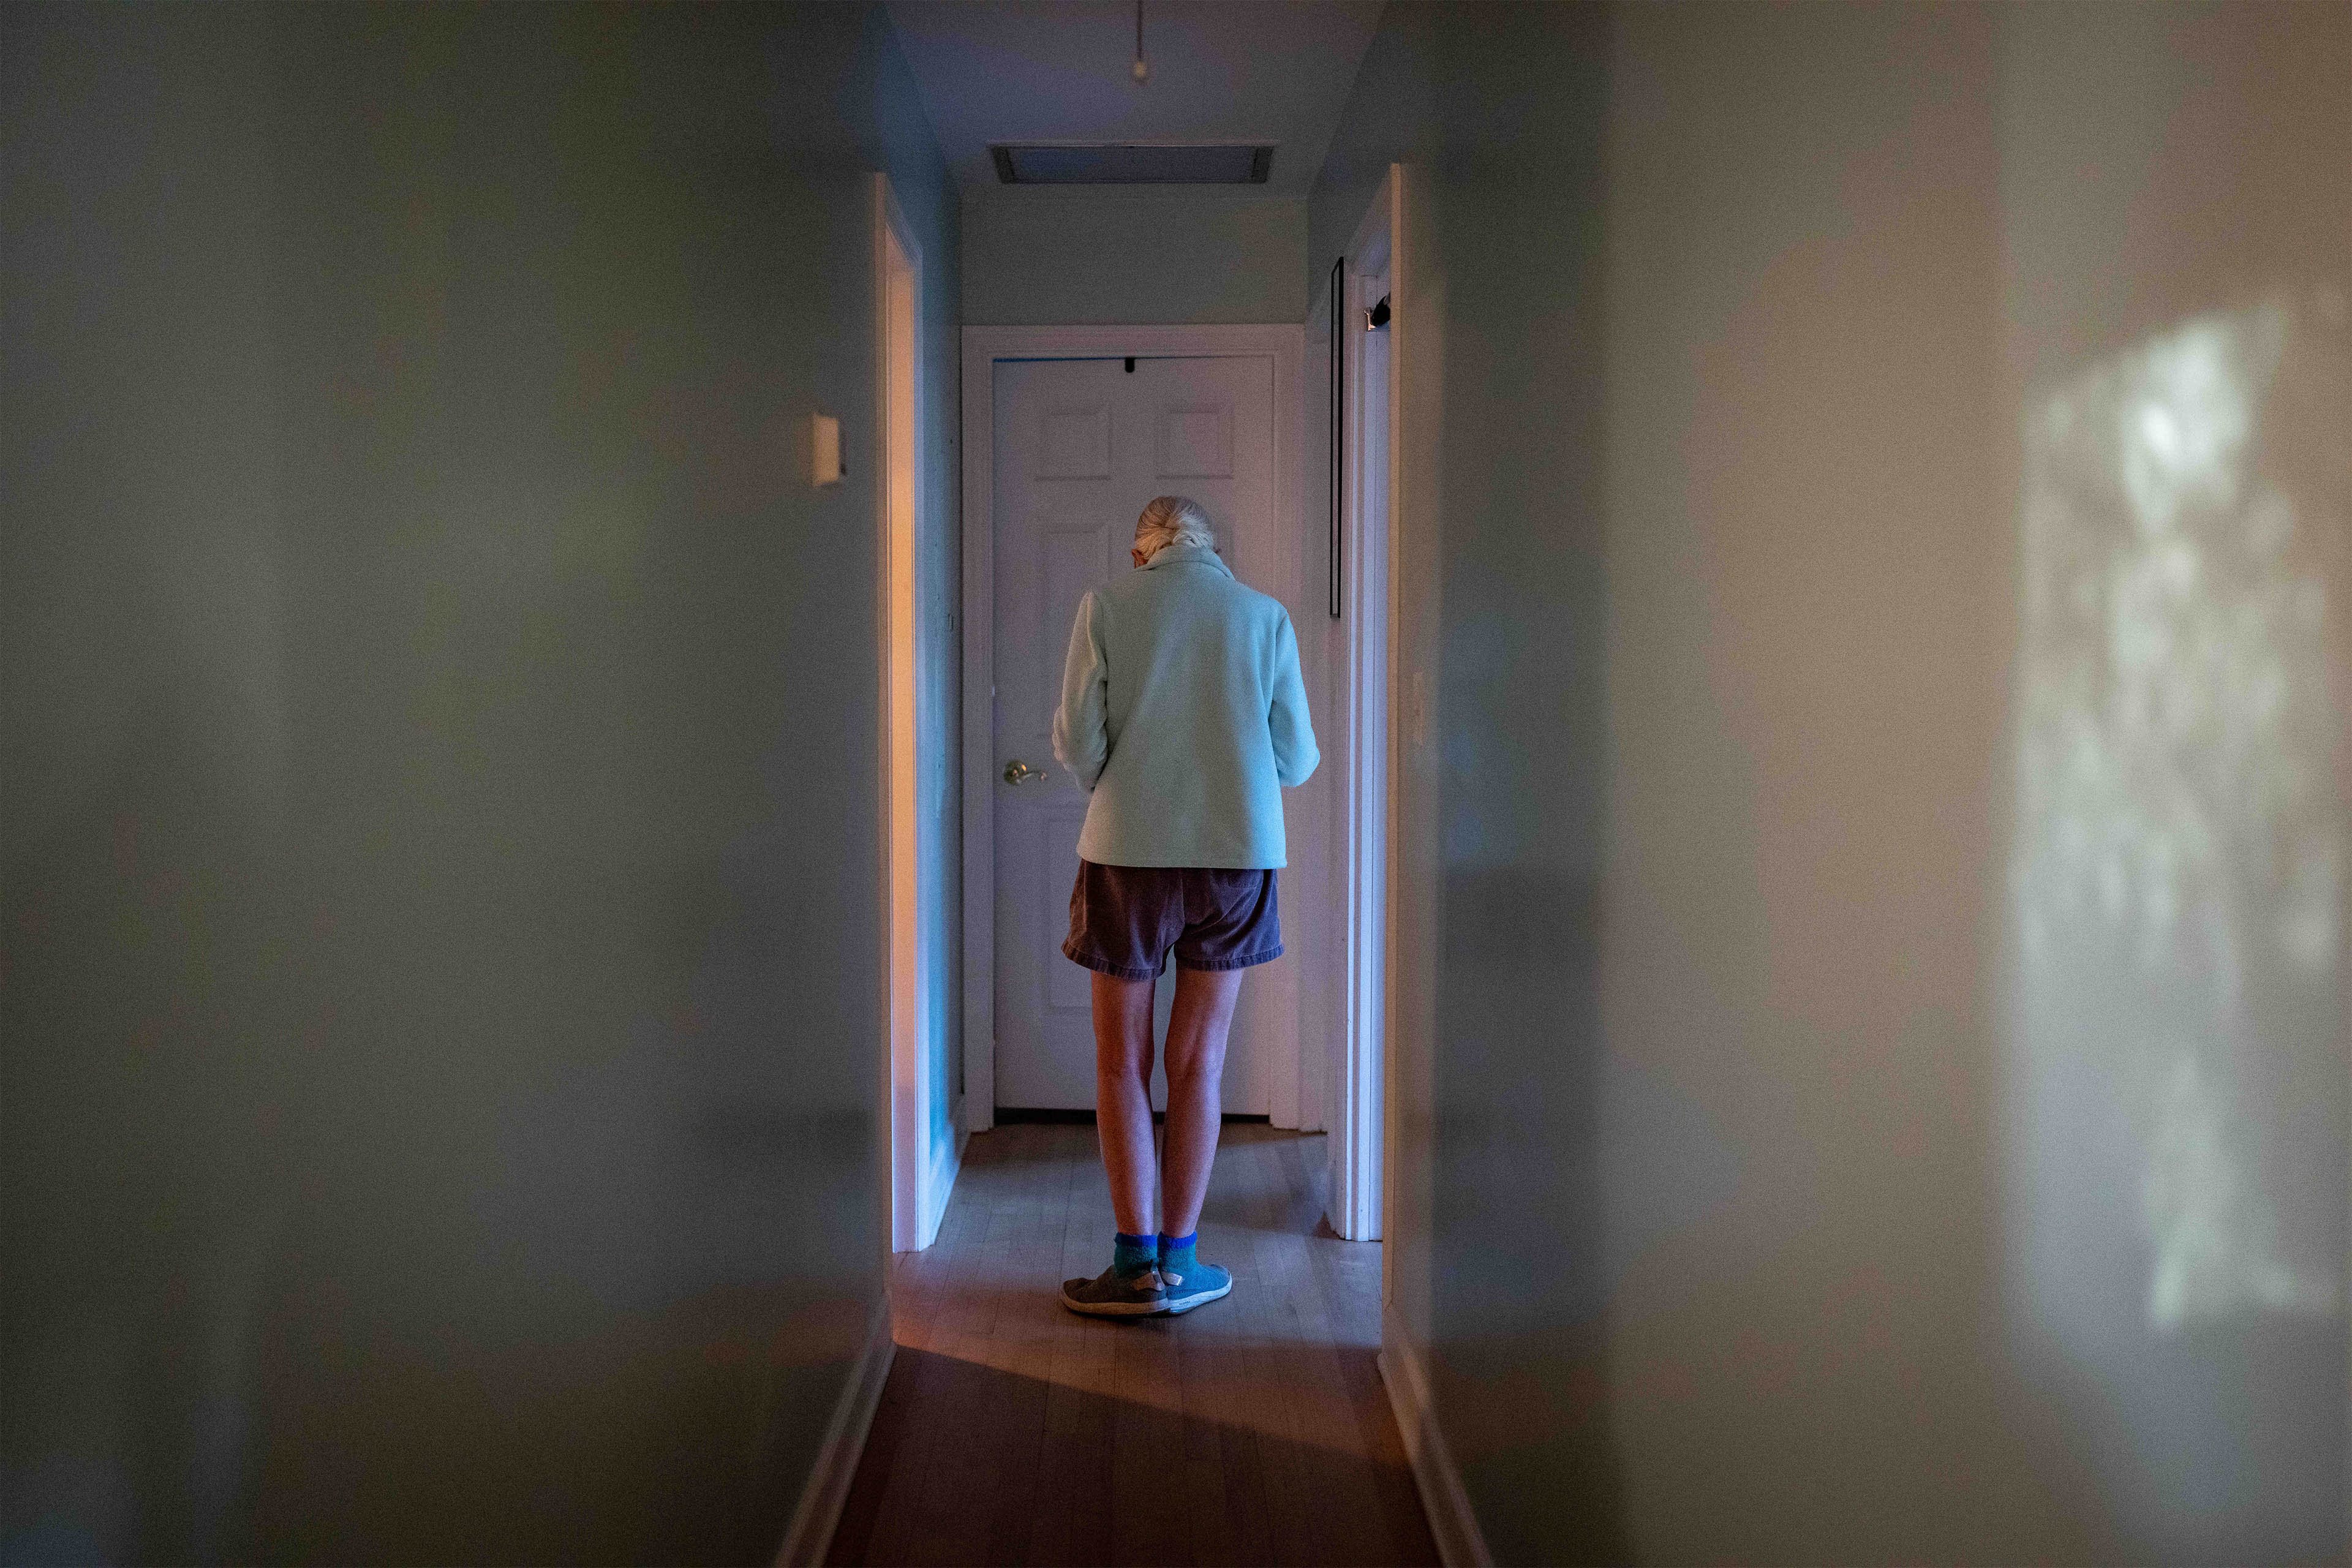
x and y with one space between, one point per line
1129 163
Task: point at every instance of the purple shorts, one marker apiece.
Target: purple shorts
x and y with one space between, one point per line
1125 918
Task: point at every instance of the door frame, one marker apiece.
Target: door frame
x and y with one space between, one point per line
1363 668
1292 1098
918 1177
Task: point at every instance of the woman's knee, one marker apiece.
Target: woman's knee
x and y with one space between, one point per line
1195 1061
1122 1017
1121 1064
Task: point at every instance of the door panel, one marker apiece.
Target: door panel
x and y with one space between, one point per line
1070 557
1081 445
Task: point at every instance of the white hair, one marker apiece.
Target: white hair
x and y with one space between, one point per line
1173 520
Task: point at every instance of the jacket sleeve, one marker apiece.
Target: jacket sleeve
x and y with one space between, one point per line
1295 755
1081 725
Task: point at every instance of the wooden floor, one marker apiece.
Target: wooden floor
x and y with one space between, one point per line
1251 1430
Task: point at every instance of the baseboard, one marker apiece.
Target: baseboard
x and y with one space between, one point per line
1460 1543
810 1536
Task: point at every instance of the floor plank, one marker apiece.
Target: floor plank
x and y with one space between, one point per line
1254 1430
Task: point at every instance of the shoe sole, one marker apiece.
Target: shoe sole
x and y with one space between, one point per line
1186 1303
1116 1309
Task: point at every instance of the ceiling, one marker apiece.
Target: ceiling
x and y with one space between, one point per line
1057 70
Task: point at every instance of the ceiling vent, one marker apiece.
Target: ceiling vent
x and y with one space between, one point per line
1128 163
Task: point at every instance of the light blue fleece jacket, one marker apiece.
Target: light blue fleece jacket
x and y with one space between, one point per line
1182 712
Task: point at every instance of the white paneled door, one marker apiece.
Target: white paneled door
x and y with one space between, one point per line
1080 446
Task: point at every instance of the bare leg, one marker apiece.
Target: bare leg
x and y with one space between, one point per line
1123 1093
1197 1027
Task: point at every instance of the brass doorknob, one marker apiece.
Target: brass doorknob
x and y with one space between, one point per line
1020 773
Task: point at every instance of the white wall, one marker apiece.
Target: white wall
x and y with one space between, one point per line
1057 257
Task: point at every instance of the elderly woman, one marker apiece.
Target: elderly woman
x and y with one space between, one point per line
1183 716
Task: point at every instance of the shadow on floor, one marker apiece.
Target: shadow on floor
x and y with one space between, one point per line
970 1463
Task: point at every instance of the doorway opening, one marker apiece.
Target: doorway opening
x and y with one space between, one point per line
1063 445
1043 409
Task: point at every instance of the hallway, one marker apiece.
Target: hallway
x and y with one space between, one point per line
1253 1431
540 547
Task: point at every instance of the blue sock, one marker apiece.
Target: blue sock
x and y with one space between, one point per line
1133 1254
1180 1253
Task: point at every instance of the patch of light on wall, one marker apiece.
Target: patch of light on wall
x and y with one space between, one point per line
2177 877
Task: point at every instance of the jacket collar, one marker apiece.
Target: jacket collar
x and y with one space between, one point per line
1179 554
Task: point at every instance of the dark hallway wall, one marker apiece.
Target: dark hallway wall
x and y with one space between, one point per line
440 990
1749 1205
